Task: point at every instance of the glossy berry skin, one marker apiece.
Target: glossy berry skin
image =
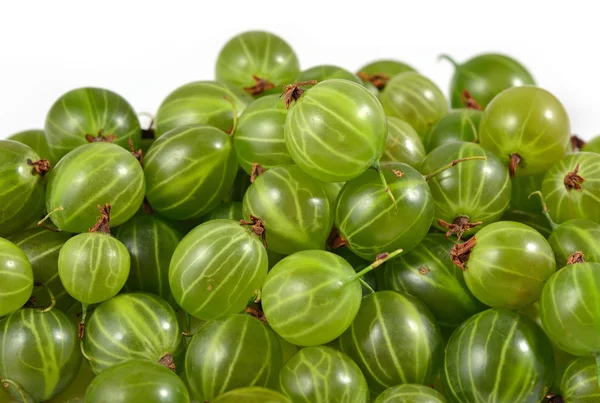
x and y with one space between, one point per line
232 352
486 76
226 210
21 188
323 374
457 125
200 102
311 297
90 111
137 381
403 144
575 236
327 72
410 393
258 53
17 277
36 140
336 130
39 351
151 242
522 188
427 273
415 99
579 383
252 394
592 146
189 171
478 190
500 342
387 67
131 326
394 339
528 121
92 175
566 204
216 269
535 221
365 215
42 248
509 265
259 135
295 208
568 317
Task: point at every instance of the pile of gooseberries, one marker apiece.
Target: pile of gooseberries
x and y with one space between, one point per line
319 235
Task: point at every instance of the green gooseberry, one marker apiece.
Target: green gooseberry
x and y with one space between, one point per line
257 61
189 171
380 72
394 339
36 140
232 352
506 264
294 207
17 277
252 394
92 175
592 146
368 279
579 382
86 115
410 393
259 136
415 99
323 374
21 186
571 188
217 268
522 188
457 125
336 130
333 190
75 392
573 237
500 342
536 221
226 210
201 102
485 76
240 185
526 127
403 144
137 381
327 72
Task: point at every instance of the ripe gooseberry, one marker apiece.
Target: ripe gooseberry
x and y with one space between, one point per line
410 392
323 374
17 277
22 184
504 343
592 146
226 210
457 125
327 72
394 339
536 221
257 61
252 394
527 128
380 72
75 392
579 382
485 76
36 140
403 144
87 115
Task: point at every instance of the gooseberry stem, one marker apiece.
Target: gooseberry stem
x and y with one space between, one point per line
453 163
235 115
387 188
9 382
366 285
41 222
381 259
449 59
50 294
553 225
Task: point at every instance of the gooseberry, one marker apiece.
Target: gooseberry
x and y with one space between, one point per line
403 144
17 277
457 125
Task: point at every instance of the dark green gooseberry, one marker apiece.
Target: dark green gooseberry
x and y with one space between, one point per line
469 196
75 392
294 207
201 102
506 344
39 352
458 125
137 381
226 210
36 140
323 374
485 76
379 72
42 248
427 273
189 171
216 269
252 394
522 188
403 144
131 326
92 175
151 242
527 127
571 188
232 352
410 393
327 72
332 189
506 264
415 99
257 61
336 130
579 382
394 339
311 297
259 137
536 221
22 186
575 236
86 115
17 277
592 146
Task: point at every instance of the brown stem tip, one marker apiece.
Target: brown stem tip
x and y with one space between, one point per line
256 171
398 173
515 160
461 251
576 257
138 155
103 224
573 180
335 240
40 167
167 361
260 85
577 143
293 92
552 398
460 225
257 226
469 101
100 138
379 80
423 270
80 330
257 313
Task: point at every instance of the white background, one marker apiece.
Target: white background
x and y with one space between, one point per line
145 49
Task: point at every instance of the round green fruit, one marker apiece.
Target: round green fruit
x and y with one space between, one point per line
458 125
536 221
75 392
226 210
17 277
579 383
252 394
592 146
380 72
575 236
327 72
36 140
410 393
403 144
